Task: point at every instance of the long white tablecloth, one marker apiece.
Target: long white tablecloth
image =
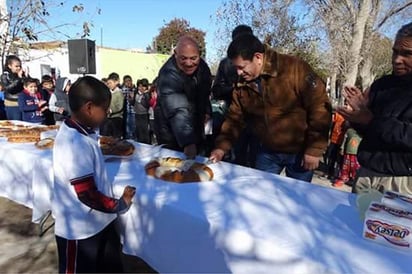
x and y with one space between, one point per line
244 221
23 169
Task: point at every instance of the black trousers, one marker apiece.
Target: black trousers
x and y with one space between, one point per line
152 134
112 127
100 253
332 159
142 128
246 148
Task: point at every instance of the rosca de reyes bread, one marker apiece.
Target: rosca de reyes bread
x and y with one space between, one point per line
16 133
111 146
170 169
23 139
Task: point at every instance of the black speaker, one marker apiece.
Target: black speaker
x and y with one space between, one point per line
82 56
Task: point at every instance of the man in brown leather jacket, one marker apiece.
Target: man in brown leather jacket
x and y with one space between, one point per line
286 105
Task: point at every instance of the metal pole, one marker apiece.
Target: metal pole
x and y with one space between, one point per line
101 36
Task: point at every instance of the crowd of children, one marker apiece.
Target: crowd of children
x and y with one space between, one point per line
131 110
27 99
129 116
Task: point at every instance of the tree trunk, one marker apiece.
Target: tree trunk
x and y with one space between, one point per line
4 24
333 91
366 74
357 39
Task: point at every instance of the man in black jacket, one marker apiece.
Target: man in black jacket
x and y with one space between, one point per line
226 78
383 116
183 105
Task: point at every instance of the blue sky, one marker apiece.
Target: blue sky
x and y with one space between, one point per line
134 23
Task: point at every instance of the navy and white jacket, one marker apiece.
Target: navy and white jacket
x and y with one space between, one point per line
28 105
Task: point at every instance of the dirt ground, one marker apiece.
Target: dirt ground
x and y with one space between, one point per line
23 251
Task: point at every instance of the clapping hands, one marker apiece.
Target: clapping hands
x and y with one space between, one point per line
356 110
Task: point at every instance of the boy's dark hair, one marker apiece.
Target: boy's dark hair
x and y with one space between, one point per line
10 59
245 46
405 31
88 89
113 76
240 30
29 80
46 78
144 82
127 77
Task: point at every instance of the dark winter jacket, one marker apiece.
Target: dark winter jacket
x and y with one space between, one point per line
386 146
182 103
13 85
226 78
62 99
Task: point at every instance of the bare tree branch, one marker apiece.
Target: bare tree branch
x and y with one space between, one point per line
349 5
393 12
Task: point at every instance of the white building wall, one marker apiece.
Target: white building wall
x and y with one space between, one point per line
34 59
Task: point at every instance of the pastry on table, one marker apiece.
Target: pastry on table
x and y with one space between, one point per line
112 146
171 169
23 139
45 143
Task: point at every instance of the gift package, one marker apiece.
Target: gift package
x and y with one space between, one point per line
397 200
389 222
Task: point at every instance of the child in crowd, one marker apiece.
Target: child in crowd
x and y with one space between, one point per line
104 80
12 80
141 107
47 89
82 205
129 91
113 126
2 109
333 151
152 105
31 103
350 165
59 100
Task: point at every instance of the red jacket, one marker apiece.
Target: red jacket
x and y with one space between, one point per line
338 131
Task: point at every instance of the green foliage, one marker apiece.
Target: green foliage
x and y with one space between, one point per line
313 57
381 55
169 34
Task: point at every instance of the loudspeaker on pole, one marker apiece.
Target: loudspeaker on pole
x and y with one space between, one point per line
82 56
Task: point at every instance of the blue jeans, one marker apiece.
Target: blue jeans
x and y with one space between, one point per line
13 113
131 126
275 162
